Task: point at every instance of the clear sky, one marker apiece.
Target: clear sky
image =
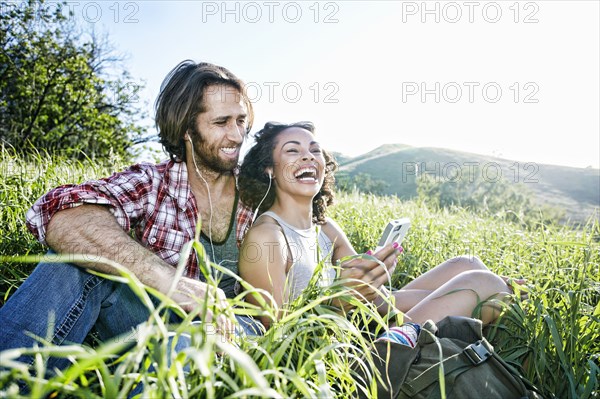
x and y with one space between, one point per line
513 79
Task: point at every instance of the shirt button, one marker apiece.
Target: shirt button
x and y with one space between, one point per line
152 240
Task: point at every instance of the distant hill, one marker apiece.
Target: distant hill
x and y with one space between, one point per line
340 158
576 190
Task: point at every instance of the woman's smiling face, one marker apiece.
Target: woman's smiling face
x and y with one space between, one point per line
299 163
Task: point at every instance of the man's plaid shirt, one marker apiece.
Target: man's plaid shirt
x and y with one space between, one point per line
155 201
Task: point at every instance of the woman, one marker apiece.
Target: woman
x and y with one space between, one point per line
288 178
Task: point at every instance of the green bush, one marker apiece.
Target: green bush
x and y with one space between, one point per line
470 188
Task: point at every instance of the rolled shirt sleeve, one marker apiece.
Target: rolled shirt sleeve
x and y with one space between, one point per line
127 194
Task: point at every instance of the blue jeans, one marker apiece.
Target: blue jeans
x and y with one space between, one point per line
63 303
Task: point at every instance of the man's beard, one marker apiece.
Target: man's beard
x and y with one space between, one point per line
207 156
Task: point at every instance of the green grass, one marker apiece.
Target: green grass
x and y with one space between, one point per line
554 336
23 182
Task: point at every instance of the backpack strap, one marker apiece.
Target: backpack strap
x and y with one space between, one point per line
473 355
536 392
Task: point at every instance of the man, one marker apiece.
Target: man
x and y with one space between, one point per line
202 115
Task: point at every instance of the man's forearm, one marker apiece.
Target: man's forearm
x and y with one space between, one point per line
92 230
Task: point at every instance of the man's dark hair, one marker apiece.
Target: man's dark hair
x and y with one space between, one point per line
253 180
181 100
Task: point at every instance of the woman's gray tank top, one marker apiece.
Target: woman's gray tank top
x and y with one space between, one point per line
306 254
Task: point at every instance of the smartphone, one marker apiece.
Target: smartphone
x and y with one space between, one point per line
394 232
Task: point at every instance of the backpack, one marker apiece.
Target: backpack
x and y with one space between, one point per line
471 367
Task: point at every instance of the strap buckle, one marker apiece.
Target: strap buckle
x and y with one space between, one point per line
478 352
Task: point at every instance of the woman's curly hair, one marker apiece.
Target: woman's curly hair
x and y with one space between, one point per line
254 181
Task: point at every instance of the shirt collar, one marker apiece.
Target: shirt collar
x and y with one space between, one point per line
178 185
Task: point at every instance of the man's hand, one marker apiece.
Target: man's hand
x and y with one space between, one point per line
190 295
368 275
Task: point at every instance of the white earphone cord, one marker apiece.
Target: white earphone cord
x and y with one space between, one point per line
262 200
212 248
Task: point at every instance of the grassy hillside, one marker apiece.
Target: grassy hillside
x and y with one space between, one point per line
575 190
554 337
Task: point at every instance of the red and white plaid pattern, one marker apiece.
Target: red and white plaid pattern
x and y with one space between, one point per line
154 200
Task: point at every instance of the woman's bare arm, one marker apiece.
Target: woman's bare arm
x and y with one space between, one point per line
371 273
263 263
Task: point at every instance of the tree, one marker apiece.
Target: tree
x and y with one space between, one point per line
362 182
469 188
62 90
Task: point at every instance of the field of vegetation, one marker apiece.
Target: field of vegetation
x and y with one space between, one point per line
553 337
